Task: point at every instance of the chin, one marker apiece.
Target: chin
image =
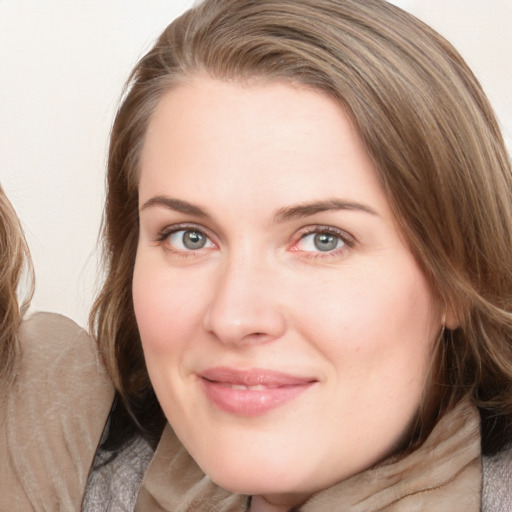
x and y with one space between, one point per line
271 487
258 479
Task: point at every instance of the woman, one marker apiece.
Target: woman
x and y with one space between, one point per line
307 234
55 393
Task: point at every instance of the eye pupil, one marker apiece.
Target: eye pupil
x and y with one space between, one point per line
193 240
325 242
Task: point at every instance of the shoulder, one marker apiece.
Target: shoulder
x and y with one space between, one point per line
54 415
50 335
60 367
497 478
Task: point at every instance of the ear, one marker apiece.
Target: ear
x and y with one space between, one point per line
450 318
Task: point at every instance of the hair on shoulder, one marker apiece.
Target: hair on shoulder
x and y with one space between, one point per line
14 260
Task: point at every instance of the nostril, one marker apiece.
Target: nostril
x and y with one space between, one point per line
257 338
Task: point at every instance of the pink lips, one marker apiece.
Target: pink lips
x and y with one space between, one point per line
251 392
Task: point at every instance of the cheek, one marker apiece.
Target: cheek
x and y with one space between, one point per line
167 308
401 328
375 323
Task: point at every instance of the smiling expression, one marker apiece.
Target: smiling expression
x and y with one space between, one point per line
286 326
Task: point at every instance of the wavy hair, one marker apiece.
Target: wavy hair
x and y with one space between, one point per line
14 260
430 131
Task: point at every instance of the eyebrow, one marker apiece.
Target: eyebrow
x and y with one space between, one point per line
308 209
174 204
282 215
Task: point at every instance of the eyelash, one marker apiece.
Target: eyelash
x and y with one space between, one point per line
347 240
169 230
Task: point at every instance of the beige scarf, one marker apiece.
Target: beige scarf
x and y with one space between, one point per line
444 474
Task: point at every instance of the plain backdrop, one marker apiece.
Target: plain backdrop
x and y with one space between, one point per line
62 67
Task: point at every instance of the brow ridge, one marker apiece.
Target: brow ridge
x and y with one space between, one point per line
308 209
172 203
281 215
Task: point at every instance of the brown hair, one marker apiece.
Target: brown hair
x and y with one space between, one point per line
425 122
14 258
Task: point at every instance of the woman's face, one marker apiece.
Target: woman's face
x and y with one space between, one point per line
286 326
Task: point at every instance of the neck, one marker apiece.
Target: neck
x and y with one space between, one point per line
262 504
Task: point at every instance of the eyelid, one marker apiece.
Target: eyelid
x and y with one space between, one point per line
168 230
348 239
181 226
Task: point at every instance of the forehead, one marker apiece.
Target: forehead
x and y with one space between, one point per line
212 110
259 138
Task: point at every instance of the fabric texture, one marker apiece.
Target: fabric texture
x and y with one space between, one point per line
443 474
114 481
52 417
497 478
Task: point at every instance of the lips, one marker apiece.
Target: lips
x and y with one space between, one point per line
251 392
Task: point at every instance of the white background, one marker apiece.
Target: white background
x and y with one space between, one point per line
62 67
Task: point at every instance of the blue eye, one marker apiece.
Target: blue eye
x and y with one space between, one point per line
189 240
322 242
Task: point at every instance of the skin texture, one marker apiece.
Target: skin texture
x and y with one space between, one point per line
358 320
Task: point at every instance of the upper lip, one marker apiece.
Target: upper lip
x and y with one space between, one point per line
253 377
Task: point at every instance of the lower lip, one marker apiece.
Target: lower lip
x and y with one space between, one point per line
248 402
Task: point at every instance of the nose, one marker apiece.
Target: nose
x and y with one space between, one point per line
245 306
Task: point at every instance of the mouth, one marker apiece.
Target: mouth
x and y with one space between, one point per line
251 392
